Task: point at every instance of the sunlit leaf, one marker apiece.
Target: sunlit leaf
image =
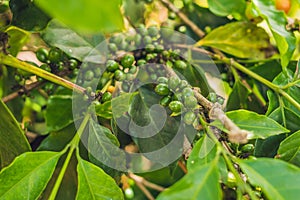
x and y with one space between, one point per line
259 126
277 179
28 175
93 15
202 183
94 184
241 39
286 41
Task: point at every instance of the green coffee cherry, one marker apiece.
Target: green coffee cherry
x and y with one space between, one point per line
247 148
129 194
18 78
150 48
147 39
127 61
73 63
175 106
183 84
55 55
162 80
133 69
112 47
46 67
179 64
97 72
187 92
142 29
112 65
141 62
106 97
89 75
138 39
159 48
165 101
190 102
42 54
162 89
153 31
119 75
212 96
220 100
189 117
173 83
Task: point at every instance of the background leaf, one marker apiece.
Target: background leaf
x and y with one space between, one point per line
17 39
226 7
27 16
59 112
286 41
289 149
241 39
72 43
93 183
202 183
93 15
28 175
12 139
238 97
277 179
57 140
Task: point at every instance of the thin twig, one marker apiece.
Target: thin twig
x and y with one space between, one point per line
184 18
182 166
21 91
146 183
139 183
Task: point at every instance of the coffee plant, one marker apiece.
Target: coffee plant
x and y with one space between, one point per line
150 99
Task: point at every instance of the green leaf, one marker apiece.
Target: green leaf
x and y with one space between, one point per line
94 184
238 97
268 147
154 131
269 70
59 112
201 183
204 151
286 117
93 15
17 39
68 186
104 110
289 149
228 7
72 43
57 140
104 149
28 175
121 104
286 41
260 126
294 91
12 139
241 39
277 179
27 16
